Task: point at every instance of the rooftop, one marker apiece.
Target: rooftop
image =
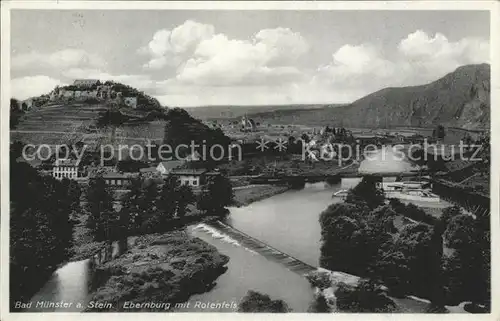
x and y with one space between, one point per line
115 175
66 162
171 164
189 171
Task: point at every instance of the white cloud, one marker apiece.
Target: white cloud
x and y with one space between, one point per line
188 35
60 60
420 46
166 44
266 59
356 67
282 44
30 86
267 68
203 57
419 59
425 57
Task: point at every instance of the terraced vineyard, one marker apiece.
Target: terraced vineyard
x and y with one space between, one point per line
57 124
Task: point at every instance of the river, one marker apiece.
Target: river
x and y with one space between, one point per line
287 222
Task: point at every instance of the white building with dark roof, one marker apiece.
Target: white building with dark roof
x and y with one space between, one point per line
85 82
166 167
65 168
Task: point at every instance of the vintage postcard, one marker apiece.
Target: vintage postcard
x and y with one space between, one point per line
240 157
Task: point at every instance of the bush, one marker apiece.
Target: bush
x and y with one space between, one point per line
412 211
366 192
319 305
258 302
321 280
365 297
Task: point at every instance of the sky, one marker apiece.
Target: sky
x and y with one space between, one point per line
199 57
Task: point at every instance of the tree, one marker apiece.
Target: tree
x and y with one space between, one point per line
460 231
14 104
167 200
111 118
215 196
364 297
100 208
366 192
338 244
449 213
174 198
257 302
394 272
74 193
468 270
131 201
184 197
347 229
319 305
417 244
40 227
130 165
15 113
147 212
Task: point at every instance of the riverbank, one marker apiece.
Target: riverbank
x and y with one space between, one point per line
84 245
327 283
246 196
164 268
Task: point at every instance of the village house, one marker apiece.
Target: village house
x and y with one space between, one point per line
65 168
149 172
86 82
192 177
193 157
116 179
164 168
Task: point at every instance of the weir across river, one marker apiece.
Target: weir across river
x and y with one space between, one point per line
290 262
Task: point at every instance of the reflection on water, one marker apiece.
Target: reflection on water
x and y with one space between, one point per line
288 221
248 270
69 283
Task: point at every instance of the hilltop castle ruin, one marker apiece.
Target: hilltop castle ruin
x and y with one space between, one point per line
91 88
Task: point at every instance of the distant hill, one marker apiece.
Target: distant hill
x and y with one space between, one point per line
61 117
235 111
99 115
459 99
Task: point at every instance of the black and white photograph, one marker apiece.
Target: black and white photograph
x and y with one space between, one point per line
214 158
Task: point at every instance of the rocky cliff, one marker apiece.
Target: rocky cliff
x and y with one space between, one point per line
460 98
